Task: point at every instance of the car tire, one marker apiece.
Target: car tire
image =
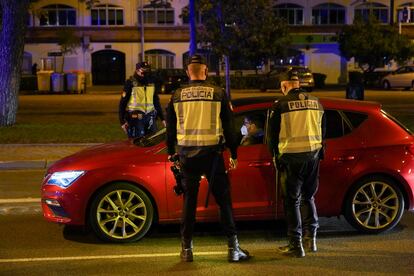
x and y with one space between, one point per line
374 205
386 85
121 212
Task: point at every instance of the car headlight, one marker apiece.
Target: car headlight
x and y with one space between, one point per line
64 179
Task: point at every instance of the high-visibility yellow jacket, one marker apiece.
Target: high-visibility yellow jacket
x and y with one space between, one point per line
198 117
297 124
142 99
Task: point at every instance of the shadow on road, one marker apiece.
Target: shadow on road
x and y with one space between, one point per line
266 230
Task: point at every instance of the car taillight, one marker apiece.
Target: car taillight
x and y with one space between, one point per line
410 149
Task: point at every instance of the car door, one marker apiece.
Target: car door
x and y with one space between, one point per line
397 79
344 145
253 182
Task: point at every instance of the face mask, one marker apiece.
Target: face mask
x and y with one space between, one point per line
243 130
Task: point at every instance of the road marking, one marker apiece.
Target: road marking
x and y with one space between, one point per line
19 200
76 258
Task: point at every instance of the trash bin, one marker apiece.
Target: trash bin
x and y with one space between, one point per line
58 82
355 92
43 80
75 82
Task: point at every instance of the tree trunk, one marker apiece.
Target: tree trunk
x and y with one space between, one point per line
12 33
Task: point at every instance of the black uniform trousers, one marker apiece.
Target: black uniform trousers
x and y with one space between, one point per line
300 180
140 124
192 169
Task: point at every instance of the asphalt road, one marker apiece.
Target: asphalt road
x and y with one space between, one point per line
31 246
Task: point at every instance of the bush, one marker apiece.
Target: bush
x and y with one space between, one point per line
28 82
319 80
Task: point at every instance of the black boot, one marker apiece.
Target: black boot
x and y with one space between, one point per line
236 254
186 254
309 244
294 248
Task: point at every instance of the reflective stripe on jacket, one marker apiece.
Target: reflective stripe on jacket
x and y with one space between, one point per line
142 99
198 115
300 126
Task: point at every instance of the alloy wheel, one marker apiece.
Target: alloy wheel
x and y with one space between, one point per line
376 206
121 212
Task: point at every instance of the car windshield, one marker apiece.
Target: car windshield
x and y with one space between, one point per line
151 139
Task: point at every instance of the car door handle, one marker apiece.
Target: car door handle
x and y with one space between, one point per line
260 164
344 158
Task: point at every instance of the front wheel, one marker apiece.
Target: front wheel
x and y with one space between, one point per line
121 212
374 205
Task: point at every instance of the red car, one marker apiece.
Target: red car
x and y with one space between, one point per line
121 189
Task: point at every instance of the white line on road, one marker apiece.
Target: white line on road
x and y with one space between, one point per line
19 200
46 259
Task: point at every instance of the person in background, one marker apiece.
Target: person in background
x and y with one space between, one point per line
140 104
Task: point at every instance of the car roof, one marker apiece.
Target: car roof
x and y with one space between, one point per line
243 104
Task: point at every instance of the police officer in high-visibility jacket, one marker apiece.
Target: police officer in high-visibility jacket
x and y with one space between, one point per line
140 105
297 129
199 121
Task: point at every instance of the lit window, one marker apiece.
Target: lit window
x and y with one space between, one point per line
293 14
157 14
328 14
57 15
406 13
103 15
160 59
185 15
379 11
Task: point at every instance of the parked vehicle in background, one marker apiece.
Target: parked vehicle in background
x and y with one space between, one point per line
170 79
403 77
272 79
122 188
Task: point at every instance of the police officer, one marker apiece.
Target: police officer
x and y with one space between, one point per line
297 128
199 115
140 105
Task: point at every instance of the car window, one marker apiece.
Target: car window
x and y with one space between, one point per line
401 70
240 120
336 126
355 118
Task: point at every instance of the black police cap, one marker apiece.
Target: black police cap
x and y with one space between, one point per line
143 65
197 59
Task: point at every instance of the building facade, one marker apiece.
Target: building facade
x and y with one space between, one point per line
111 34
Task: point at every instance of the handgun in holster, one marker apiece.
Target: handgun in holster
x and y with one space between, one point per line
176 170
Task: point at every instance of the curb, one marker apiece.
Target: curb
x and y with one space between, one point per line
25 164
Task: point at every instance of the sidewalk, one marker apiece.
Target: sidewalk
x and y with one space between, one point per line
35 156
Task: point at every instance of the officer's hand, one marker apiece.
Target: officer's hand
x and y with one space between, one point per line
233 163
164 123
173 158
125 127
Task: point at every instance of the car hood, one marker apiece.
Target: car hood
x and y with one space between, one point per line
105 155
